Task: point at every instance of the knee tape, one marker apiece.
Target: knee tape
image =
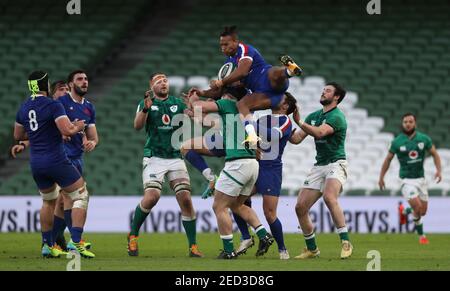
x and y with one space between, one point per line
182 186
80 197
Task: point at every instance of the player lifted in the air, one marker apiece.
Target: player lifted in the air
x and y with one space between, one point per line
267 83
411 147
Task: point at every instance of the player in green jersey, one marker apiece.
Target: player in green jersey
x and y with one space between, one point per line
162 159
328 127
236 181
411 147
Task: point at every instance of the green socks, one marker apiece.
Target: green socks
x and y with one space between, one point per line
227 241
310 240
189 225
139 217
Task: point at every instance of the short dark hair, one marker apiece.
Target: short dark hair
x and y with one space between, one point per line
237 92
338 90
156 74
55 85
72 75
292 102
229 30
409 114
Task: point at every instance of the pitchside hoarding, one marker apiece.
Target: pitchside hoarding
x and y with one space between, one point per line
114 213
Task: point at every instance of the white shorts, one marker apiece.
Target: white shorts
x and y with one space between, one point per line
238 177
319 174
154 169
412 188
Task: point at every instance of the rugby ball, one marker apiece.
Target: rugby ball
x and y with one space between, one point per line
225 70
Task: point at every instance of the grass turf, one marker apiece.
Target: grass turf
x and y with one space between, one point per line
159 252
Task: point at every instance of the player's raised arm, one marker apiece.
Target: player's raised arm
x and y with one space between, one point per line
437 163
142 113
384 169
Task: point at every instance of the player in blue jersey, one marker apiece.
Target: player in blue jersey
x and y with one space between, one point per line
275 131
43 121
77 108
267 83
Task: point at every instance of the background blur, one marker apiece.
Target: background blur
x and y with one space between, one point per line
391 63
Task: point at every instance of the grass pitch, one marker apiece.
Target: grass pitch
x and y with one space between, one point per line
168 252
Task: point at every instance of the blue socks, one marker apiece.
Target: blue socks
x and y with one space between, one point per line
47 238
68 218
76 233
241 223
196 160
277 231
58 226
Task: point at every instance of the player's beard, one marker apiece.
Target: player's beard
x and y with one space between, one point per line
161 94
409 132
326 102
79 91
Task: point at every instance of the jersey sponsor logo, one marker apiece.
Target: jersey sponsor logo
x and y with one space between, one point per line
421 145
313 122
324 121
413 155
403 148
154 108
166 119
174 108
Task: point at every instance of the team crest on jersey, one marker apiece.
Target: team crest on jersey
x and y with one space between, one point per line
174 108
166 119
403 149
413 155
421 145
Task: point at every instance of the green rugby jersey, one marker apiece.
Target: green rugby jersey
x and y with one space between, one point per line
159 129
233 131
332 147
411 153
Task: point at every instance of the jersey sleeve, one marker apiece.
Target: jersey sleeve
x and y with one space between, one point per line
92 120
57 110
246 52
428 143
140 106
222 106
309 118
336 122
393 148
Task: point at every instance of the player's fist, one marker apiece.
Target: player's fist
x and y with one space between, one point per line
89 145
148 102
296 115
18 148
381 184
79 124
438 177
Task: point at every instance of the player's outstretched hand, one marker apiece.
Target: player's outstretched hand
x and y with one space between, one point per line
438 177
381 184
18 148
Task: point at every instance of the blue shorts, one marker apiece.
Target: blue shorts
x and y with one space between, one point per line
263 86
78 163
64 175
214 143
269 180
